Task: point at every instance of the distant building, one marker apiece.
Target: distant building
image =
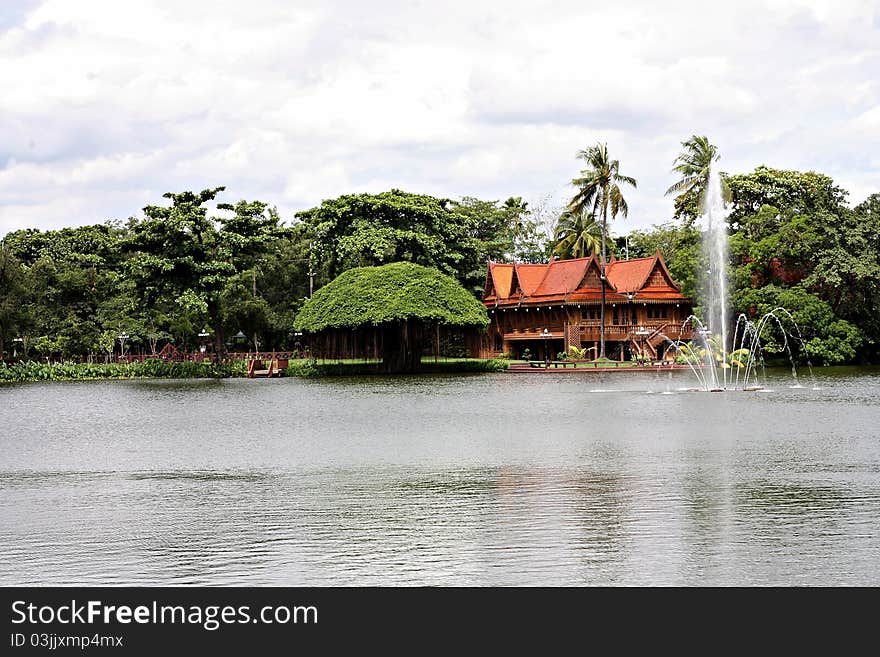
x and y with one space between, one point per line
644 308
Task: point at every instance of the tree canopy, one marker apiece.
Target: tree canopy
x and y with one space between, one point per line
181 251
577 235
182 268
455 237
698 155
392 293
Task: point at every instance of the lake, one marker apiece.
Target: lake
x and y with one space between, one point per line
493 479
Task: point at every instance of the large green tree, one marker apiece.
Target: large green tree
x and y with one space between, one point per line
13 296
795 191
599 194
698 155
181 251
358 230
400 302
793 234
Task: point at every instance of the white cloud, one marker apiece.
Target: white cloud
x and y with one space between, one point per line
109 104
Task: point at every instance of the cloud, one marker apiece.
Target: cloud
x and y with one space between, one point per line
109 104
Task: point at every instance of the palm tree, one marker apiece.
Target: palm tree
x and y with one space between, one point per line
515 209
577 235
693 163
599 192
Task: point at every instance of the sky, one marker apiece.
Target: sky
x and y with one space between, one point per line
107 104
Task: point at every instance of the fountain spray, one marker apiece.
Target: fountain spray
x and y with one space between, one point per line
716 311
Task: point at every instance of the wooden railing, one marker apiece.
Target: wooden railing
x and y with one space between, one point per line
649 330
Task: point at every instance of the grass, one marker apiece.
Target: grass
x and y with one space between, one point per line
354 367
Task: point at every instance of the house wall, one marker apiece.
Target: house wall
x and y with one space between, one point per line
513 329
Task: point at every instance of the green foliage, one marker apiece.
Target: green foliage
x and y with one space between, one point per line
181 253
824 338
598 194
787 190
577 235
389 294
33 371
14 295
577 353
680 246
693 164
809 247
362 230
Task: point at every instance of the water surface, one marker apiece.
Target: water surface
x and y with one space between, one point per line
507 479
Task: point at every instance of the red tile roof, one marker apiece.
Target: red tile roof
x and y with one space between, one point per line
629 275
562 276
530 277
561 281
502 276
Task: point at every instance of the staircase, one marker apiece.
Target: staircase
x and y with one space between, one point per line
272 370
649 342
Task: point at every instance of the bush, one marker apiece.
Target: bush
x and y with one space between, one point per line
149 369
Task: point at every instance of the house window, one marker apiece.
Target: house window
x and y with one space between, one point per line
657 312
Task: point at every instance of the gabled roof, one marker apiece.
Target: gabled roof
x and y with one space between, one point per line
530 277
498 280
562 276
629 275
571 280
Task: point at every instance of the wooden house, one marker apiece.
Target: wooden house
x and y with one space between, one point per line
644 308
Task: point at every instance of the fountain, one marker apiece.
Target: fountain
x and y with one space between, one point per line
715 213
719 362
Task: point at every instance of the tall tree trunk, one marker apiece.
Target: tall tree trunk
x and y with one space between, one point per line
219 342
219 345
402 347
602 284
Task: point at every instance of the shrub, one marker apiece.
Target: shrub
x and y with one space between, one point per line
149 369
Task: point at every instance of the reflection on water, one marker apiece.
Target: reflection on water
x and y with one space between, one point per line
507 479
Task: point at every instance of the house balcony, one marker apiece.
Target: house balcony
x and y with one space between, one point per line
555 332
653 330
589 331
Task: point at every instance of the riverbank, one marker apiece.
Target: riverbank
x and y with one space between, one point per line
150 369
156 369
318 368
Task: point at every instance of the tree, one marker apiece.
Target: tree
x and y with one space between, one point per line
598 192
693 164
680 246
577 235
397 304
359 230
799 192
179 250
13 295
819 336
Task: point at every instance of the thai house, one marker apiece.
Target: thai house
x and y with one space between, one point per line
540 310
